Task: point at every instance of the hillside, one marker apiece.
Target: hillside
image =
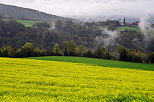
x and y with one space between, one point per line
129 28
14 12
91 35
27 23
46 81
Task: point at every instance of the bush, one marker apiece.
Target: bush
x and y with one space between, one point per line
151 57
123 53
102 52
137 56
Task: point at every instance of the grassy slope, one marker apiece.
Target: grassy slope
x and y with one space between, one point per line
27 80
99 62
27 23
129 28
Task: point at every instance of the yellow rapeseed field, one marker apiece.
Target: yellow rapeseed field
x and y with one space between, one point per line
24 80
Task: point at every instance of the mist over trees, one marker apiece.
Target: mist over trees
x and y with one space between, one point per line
91 35
66 38
43 35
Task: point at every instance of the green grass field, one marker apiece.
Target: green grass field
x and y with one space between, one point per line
98 62
129 28
28 80
27 23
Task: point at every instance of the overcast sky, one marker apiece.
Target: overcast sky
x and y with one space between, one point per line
89 8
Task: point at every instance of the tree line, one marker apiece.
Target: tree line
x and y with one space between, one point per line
69 48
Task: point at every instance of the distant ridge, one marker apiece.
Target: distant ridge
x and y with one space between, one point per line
14 12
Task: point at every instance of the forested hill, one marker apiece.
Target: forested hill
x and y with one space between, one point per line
91 35
14 12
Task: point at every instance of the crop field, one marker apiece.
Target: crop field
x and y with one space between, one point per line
28 80
27 23
129 28
98 62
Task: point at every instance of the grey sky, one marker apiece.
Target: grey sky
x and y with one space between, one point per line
88 8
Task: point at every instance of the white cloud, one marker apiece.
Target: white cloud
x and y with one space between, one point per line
89 8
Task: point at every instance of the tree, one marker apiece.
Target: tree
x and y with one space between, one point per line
42 25
57 50
88 53
137 56
80 50
5 51
29 50
69 48
123 53
48 52
151 57
102 52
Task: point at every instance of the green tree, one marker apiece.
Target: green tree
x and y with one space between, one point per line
137 56
88 53
5 51
102 52
123 53
69 48
29 50
57 50
151 57
80 50
42 25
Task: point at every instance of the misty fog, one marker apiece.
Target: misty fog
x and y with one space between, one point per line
88 8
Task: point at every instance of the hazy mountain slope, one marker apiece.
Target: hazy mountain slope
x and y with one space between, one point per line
7 11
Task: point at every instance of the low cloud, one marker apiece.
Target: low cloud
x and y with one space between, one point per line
88 8
108 38
146 30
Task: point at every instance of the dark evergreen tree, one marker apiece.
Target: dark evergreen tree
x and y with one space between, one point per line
123 53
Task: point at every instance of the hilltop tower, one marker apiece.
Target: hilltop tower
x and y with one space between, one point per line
124 21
